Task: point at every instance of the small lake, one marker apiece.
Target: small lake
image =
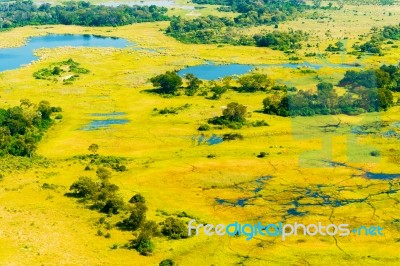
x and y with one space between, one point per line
109 119
213 72
13 58
103 124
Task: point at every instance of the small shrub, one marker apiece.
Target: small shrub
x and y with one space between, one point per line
85 187
174 228
375 153
262 154
49 186
119 168
56 109
184 215
99 233
232 136
108 235
259 123
137 198
144 246
204 127
113 206
167 262
137 217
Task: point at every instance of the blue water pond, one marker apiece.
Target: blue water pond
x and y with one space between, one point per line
13 58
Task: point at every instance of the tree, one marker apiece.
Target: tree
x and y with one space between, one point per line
93 148
137 217
327 97
137 198
194 84
168 82
254 82
45 109
144 246
217 90
385 98
271 104
149 229
324 87
85 187
5 140
56 71
103 174
174 228
167 262
235 112
113 205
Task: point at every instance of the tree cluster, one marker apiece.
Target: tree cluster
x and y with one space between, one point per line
22 13
378 37
55 70
233 116
367 91
387 77
22 127
279 40
213 29
101 193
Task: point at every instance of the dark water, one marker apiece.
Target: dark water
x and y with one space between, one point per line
12 58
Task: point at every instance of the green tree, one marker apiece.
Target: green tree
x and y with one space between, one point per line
93 148
167 262
385 98
113 205
193 84
85 187
5 140
56 71
174 228
254 82
45 109
103 174
144 246
137 198
137 217
235 112
168 82
149 229
217 90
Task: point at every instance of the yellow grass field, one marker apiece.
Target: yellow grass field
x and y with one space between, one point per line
41 226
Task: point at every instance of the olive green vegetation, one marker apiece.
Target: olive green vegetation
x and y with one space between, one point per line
67 71
161 171
23 126
22 13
